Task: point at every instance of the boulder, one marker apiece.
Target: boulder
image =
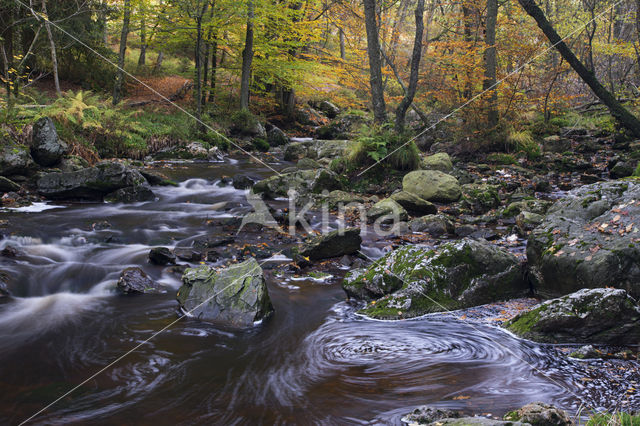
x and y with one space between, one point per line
7 185
337 197
589 239
14 159
414 204
307 164
527 222
480 198
328 109
334 244
301 181
414 280
276 137
131 194
309 117
317 149
46 148
4 288
135 280
586 352
392 211
622 169
73 163
235 296
531 205
425 415
156 178
242 182
91 183
338 129
432 185
555 143
161 256
434 225
540 414
197 150
601 315
440 161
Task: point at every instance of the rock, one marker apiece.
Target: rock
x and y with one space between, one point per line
307 164
432 185
413 280
187 254
540 414
317 149
622 169
481 421
46 148
161 256
73 163
338 129
480 198
541 184
197 150
131 194
236 295
276 137
334 244
527 221
586 352
414 204
301 181
434 225
4 288
91 183
7 185
533 206
242 182
440 161
589 239
308 117
337 197
389 208
555 143
135 280
14 159
157 179
329 109
601 315
425 415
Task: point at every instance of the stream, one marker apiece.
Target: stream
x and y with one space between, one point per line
315 361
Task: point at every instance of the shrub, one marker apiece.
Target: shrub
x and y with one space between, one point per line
260 144
523 141
243 122
502 159
618 419
373 145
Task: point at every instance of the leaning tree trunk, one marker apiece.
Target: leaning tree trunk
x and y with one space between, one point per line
406 102
624 117
247 58
375 63
490 64
117 87
52 44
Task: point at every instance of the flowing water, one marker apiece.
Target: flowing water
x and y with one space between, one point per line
313 362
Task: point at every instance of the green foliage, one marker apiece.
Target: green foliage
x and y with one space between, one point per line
618 419
243 122
501 158
374 144
260 144
637 171
523 141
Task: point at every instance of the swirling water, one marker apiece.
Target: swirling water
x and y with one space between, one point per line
314 362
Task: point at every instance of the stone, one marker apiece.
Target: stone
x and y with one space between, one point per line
157 179
392 211
307 164
555 143
540 414
622 169
92 183
600 315
236 295
527 222
426 415
73 163
589 239
440 161
197 150
531 205
328 109
187 254
4 288
131 194
46 148
7 185
135 280
586 352
242 182
301 181
414 204
337 197
432 185
334 244
480 198
276 137
14 159
434 225
161 256
413 280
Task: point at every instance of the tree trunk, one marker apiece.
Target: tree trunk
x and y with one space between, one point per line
214 66
158 65
343 50
490 62
375 64
247 58
466 17
52 44
623 116
117 87
103 19
142 60
406 102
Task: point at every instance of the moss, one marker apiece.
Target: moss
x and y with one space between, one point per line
523 324
260 144
502 159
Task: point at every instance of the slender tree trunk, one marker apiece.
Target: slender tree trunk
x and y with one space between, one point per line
103 19
624 117
142 60
52 44
158 65
343 50
410 93
214 66
198 60
490 61
466 17
117 87
247 58
375 63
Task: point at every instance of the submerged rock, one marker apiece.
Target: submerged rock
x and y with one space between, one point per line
46 148
236 295
91 183
590 239
413 280
432 185
334 244
161 256
601 315
135 280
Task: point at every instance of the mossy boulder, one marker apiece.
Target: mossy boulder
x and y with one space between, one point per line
480 198
276 137
434 225
131 194
540 414
432 185
46 147
301 181
91 183
530 205
136 281
235 296
7 185
414 280
440 161
15 159
622 169
527 221
317 149
601 315
414 204
590 239
338 197
389 209
334 244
